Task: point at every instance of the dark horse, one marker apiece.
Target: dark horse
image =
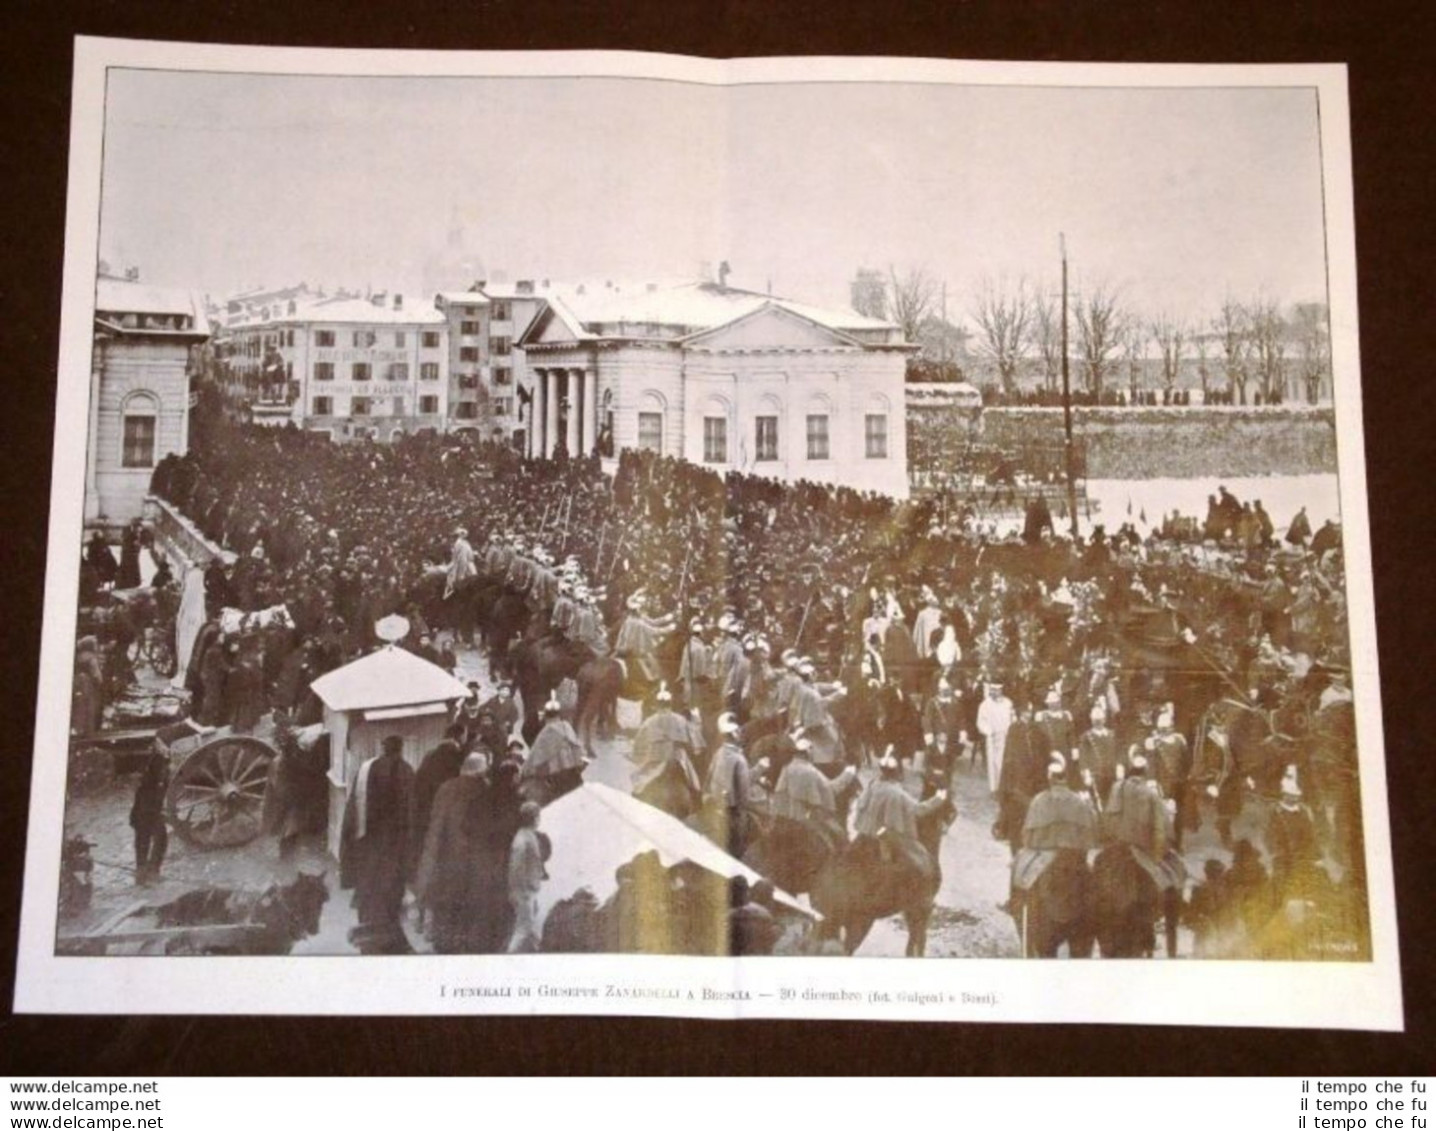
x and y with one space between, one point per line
541 664
1050 902
279 916
874 877
1126 900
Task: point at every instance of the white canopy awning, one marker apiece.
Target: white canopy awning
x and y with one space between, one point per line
596 829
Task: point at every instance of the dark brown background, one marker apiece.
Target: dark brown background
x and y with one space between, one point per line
1389 50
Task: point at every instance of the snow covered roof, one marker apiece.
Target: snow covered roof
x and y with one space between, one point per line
346 311
464 298
692 307
597 828
390 677
129 297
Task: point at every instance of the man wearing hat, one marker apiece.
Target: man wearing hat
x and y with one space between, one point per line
1292 844
805 796
589 630
663 750
1055 723
1024 774
737 689
556 761
728 785
943 729
995 717
1059 831
727 654
638 639
1137 816
808 711
885 806
695 669
926 624
1097 753
1171 761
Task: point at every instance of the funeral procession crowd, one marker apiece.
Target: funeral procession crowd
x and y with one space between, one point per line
1159 726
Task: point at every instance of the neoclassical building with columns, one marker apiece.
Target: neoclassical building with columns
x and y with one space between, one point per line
725 378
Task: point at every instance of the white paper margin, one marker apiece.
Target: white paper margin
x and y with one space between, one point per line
1272 994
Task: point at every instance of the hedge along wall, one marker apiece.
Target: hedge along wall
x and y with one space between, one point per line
1181 443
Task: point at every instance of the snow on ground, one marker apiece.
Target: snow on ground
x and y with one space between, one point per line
1281 495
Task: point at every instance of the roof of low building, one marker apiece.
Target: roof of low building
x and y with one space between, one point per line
348 311
692 307
390 677
130 297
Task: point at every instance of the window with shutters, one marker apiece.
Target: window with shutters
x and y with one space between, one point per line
715 439
429 371
818 436
323 406
430 340
359 406
875 433
362 371
428 406
469 328
324 371
324 339
398 371
139 433
650 431
766 438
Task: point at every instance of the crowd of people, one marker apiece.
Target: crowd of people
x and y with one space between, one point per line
811 644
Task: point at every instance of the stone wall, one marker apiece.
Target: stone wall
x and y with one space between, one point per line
1180 443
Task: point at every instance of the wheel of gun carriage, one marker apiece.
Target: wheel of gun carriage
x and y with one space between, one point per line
216 799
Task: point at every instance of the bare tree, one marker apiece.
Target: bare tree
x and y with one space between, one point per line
1314 344
1100 325
910 299
1170 337
1268 342
1231 326
1046 336
1003 314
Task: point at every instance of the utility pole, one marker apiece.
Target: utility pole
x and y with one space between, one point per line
944 330
1067 395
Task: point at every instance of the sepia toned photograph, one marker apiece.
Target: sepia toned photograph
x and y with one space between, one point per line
559 514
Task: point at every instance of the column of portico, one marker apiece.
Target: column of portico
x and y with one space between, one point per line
570 393
590 411
531 444
551 396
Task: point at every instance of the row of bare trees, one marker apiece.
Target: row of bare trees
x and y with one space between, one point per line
1244 349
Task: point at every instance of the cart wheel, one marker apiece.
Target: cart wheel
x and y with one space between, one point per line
217 796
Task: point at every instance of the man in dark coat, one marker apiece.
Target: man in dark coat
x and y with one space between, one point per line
128 576
461 879
244 692
147 818
1037 520
99 558
374 849
664 775
440 765
214 671
216 588
1024 775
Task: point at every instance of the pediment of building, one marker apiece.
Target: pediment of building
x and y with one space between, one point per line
770 327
